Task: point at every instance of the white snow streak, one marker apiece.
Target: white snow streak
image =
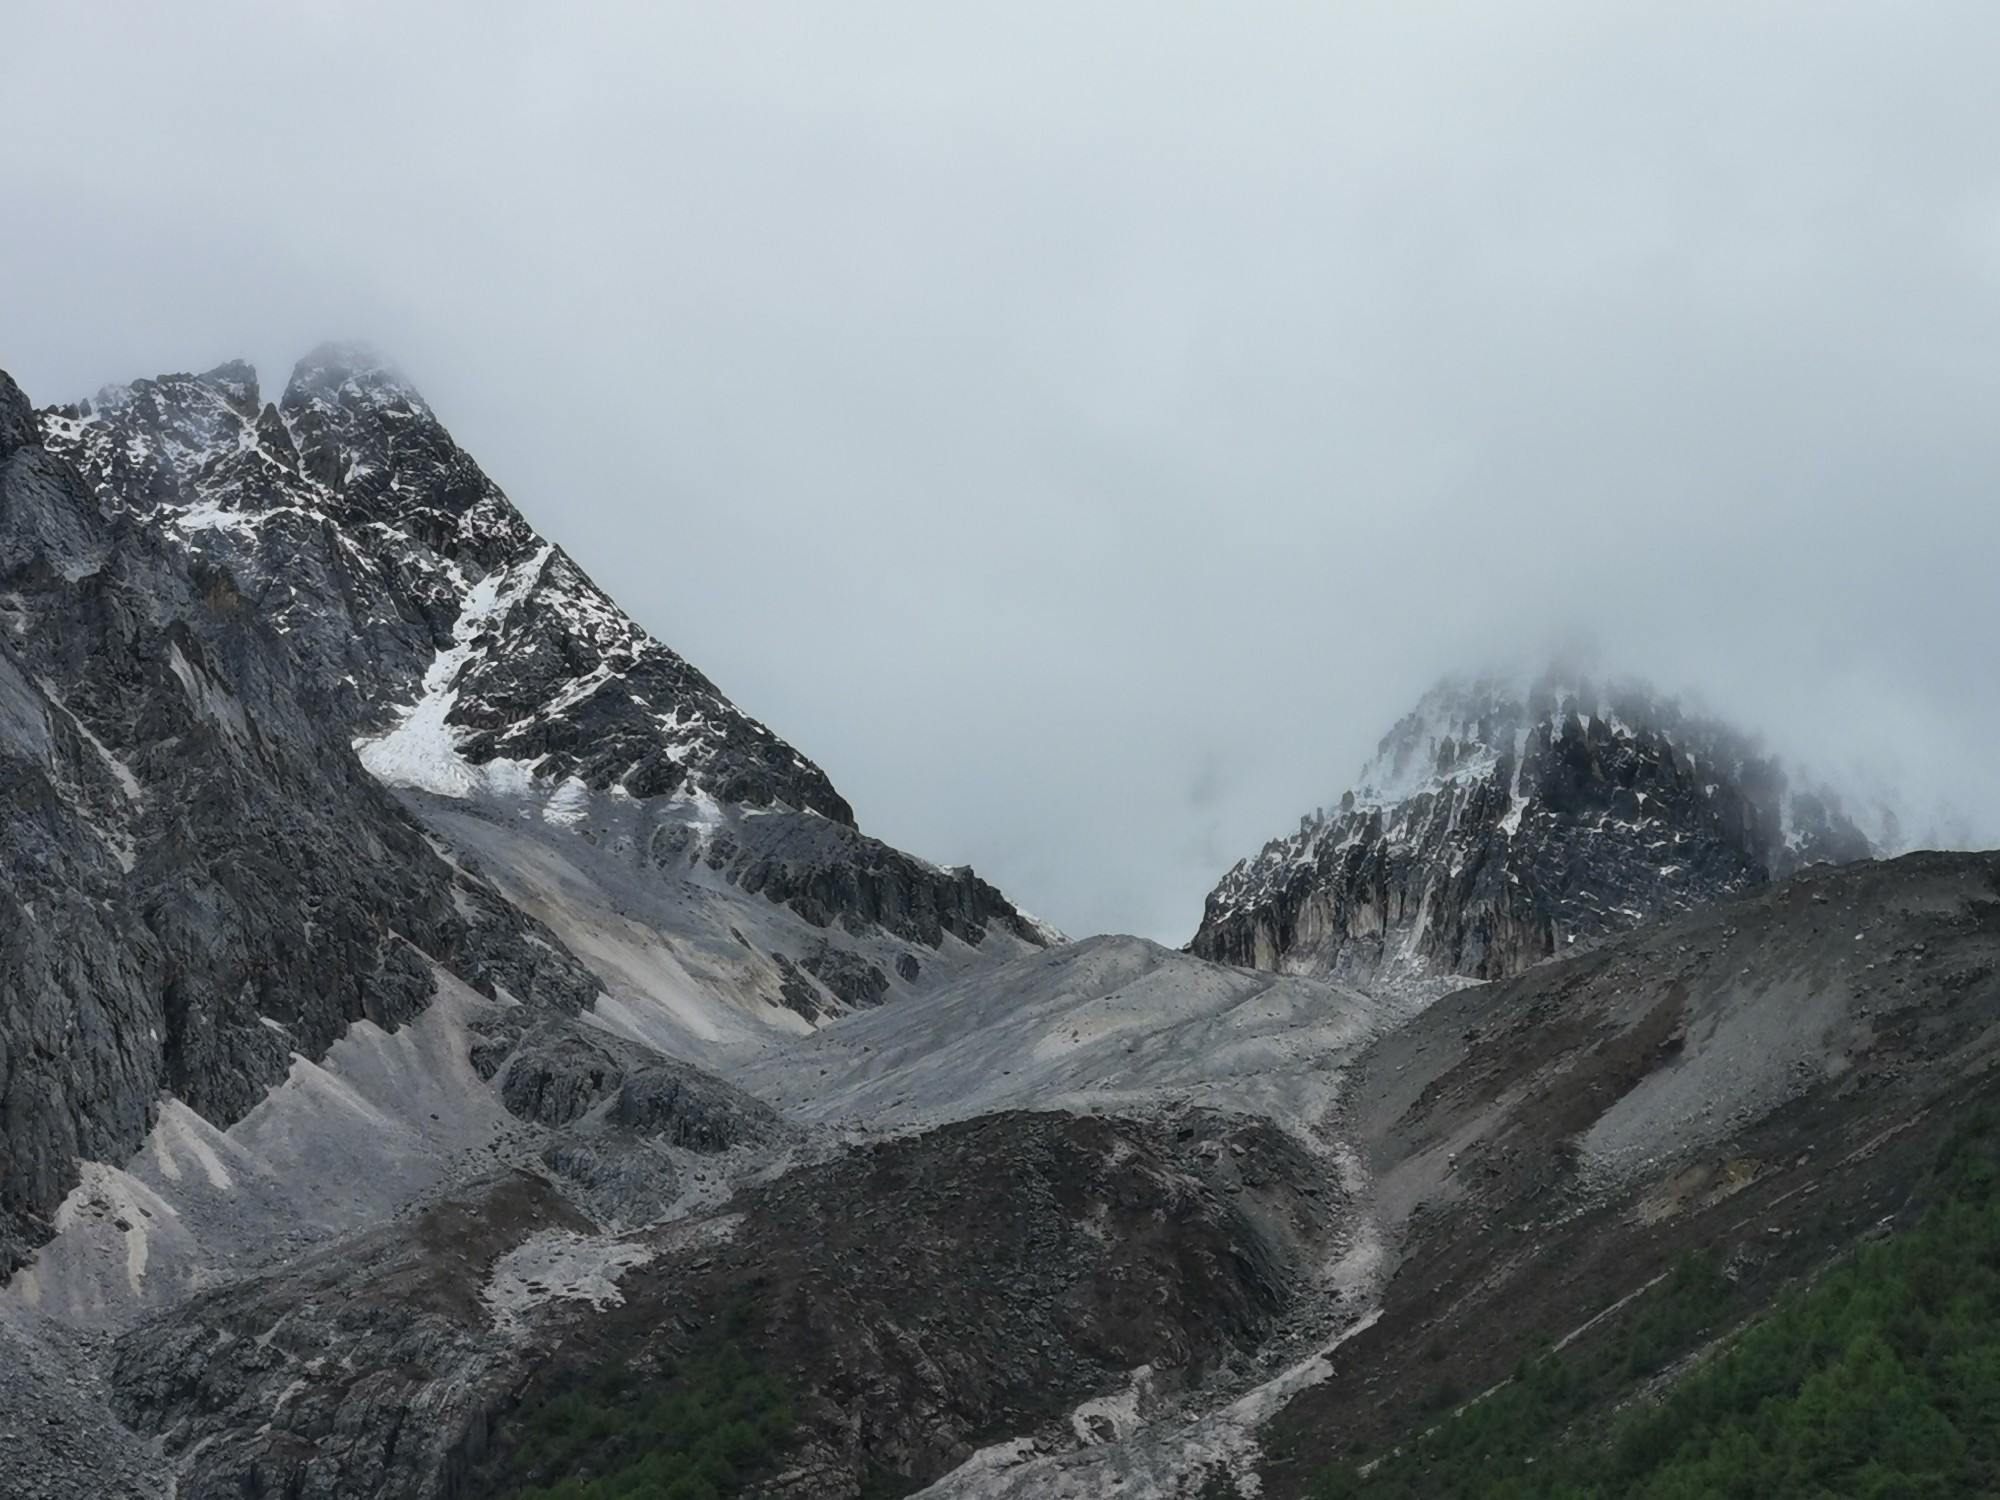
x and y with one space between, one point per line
421 751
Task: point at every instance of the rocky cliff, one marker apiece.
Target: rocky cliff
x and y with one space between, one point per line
198 880
425 611
1503 822
471 660
227 629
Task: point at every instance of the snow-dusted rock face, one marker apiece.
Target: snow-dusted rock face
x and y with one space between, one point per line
301 729
198 882
1505 822
208 605
460 647
470 659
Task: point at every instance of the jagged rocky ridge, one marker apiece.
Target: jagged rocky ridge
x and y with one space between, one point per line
1085 1225
1502 823
416 595
471 659
206 605
198 880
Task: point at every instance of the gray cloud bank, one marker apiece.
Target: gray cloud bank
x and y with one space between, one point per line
1085 429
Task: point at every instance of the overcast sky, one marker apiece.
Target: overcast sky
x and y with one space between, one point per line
1085 428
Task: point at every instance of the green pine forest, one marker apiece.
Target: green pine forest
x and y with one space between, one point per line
699 1428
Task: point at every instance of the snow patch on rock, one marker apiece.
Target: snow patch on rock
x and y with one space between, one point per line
421 749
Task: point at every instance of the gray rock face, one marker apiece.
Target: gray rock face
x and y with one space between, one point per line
347 1374
468 657
197 878
837 876
358 528
1498 826
17 418
58 1437
559 1072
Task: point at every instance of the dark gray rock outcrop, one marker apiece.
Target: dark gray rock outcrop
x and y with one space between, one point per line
1500 825
559 1072
17 418
198 880
466 656
835 876
355 525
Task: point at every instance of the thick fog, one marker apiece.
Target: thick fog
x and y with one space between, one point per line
1084 429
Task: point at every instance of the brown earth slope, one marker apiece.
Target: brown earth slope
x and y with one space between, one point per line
1764 1081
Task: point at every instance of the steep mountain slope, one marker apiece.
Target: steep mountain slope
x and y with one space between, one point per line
472 661
197 879
222 937
1765 1081
1502 823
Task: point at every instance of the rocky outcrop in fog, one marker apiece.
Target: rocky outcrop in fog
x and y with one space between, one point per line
1503 823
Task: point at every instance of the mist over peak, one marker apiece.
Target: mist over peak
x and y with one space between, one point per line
1160 408
347 373
1507 820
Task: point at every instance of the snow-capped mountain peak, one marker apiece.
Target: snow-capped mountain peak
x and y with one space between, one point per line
453 639
1505 820
469 659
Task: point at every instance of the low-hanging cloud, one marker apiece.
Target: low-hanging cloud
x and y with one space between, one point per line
1085 429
